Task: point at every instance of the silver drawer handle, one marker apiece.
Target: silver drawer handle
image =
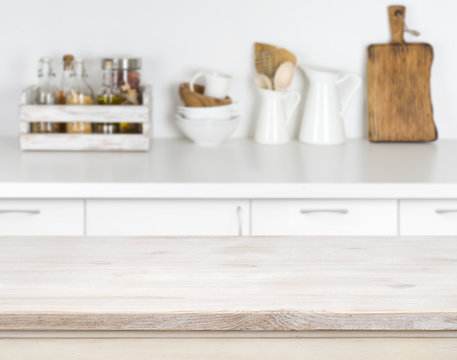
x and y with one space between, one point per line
445 211
239 213
19 211
332 211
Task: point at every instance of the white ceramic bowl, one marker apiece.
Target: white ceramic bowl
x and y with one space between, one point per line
212 112
207 132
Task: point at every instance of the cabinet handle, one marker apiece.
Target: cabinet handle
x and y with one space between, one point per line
239 213
332 211
445 211
20 211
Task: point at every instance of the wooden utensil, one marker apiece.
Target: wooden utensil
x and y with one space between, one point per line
269 57
266 63
398 86
260 47
197 99
264 82
283 76
285 55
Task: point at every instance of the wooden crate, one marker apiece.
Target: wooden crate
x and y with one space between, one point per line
29 113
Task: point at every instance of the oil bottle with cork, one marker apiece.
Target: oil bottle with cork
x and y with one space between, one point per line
45 92
80 93
65 81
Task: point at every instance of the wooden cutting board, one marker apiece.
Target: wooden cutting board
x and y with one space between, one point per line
398 85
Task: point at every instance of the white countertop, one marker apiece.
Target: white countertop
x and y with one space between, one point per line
176 168
308 283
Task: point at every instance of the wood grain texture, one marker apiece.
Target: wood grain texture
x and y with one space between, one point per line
85 142
397 26
325 348
197 99
84 113
398 87
243 284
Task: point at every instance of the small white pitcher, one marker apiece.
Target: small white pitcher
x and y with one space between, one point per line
272 118
322 122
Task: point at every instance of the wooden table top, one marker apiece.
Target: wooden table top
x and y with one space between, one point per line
248 284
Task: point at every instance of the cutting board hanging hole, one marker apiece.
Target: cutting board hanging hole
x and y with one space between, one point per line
407 29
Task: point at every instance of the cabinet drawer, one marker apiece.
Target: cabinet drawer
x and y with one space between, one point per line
41 217
428 217
167 218
324 217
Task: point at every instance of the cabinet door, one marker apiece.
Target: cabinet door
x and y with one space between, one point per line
428 217
41 217
324 217
167 217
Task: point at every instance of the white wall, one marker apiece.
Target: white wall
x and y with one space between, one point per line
178 37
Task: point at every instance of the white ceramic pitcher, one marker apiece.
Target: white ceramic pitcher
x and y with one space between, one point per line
272 118
322 122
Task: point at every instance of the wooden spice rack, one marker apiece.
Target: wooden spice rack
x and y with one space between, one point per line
29 113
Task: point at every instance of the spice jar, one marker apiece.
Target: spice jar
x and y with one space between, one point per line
80 93
129 79
109 93
45 93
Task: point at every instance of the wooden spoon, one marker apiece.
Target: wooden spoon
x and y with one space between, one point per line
284 76
263 82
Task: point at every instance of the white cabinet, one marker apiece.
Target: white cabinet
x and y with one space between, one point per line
167 217
324 217
428 217
41 217
140 217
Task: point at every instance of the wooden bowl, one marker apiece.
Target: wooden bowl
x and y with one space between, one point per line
197 99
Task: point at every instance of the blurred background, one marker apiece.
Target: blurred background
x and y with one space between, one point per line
176 38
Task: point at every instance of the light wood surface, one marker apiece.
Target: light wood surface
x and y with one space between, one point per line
249 284
325 348
86 142
398 86
84 113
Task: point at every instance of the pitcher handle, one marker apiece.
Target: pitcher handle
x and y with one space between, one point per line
358 84
297 96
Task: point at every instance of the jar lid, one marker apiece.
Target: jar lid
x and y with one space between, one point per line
129 63
121 63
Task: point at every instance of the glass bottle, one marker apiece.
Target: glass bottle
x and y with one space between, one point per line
65 81
45 93
109 94
80 94
129 74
